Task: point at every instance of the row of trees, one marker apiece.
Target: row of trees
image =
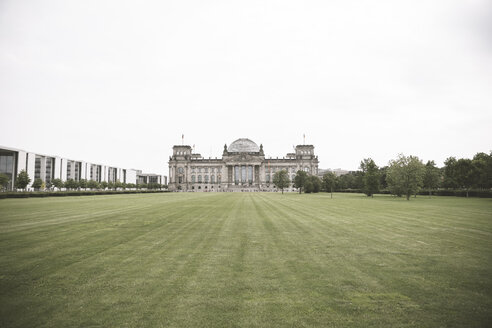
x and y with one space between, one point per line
302 181
406 175
23 180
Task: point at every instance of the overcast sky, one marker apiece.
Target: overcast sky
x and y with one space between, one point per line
119 82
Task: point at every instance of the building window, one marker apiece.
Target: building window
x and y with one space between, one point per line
50 169
212 179
206 179
180 179
180 170
192 179
206 170
250 174
192 169
243 174
236 174
199 170
267 178
219 179
37 168
199 179
7 166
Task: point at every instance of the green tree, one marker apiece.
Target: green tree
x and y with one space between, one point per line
104 185
450 173
281 179
83 184
4 180
431 177
405 175
482 170
118 184
313 184
382 177
464 174
57 183
351 180
329 182
22 180
370 177
71 184
111 185
300 180
91 184
37 184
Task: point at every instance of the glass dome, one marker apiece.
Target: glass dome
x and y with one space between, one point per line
243 145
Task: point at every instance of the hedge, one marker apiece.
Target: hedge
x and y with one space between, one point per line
459 193
29 194
441 192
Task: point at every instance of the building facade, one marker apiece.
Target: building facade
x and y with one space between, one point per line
243 167
47 168
152 178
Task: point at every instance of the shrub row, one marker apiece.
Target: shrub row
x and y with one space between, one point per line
359 191
459 193
443 192
73 193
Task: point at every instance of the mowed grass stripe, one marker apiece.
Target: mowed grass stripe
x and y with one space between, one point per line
402 254
245 260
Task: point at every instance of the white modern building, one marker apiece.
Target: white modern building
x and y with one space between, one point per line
48 167
151 178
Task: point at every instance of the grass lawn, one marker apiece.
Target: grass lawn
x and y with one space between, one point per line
245 260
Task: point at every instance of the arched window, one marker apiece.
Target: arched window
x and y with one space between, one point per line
206 179
306 169
192 179
267 178
212 179
199 179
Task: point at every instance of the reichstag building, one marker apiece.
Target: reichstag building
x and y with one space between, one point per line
243 167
